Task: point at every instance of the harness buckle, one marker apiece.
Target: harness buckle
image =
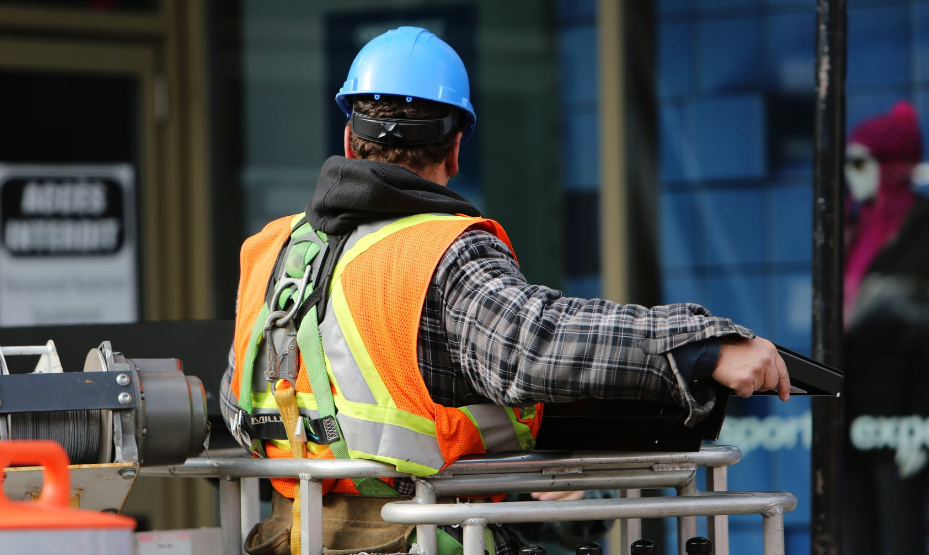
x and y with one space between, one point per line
324 431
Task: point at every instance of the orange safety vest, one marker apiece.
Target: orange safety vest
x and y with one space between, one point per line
369 337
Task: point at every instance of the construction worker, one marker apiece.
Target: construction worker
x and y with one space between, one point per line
396 319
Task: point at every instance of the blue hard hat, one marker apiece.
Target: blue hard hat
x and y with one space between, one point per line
414 63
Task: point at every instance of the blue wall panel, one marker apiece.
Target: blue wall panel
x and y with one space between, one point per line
740 297
580 148
675 145
732 225
792 302
678 230
878 46
674 61
729 52
789 53
727 6
578 66
791 221
729 137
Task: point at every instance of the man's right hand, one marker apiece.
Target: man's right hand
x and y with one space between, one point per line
749 365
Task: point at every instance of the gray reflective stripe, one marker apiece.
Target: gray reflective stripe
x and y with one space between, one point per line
349 377
388 440
496 428
365 229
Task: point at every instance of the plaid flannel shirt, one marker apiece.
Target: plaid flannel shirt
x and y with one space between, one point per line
486 335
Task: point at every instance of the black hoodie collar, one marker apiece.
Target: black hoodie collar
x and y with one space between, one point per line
351 192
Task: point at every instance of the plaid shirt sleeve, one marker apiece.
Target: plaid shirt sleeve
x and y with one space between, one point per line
518 343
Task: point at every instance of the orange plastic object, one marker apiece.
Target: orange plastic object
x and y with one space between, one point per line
51 510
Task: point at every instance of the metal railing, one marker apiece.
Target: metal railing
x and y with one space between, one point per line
540 471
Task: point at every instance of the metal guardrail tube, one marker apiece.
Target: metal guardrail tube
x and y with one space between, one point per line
488 484
718 525
686 525
553 463
733 503
716 455
311 506
273 468
774 533
426 533
230 511
473 536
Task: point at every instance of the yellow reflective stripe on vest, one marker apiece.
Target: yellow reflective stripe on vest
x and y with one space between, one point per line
387 415
371 238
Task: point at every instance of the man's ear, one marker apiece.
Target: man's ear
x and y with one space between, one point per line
451 159
347 142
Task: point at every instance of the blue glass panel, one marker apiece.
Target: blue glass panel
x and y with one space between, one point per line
922 108
793 309
678 287
579 65
729 137
791 50
878 46
572 10
741 298
795 5
587 287
728 5
792 222
730 54
581 151
860 106
675 144
674 66
732 227
678 230
790 432
921 43
797 539
674 6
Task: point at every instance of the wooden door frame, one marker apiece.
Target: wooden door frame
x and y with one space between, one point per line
169 48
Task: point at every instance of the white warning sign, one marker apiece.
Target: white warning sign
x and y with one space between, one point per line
67 245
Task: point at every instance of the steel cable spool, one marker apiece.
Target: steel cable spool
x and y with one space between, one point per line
145 411
77 431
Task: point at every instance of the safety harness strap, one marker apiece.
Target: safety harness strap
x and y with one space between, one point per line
299 263
311 348
287 403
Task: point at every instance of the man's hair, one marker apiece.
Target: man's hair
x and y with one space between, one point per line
396 107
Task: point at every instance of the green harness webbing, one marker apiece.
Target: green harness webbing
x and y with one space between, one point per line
310 343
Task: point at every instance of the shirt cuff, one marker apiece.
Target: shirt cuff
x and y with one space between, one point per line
696 361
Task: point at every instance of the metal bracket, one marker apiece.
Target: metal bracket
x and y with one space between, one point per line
64 391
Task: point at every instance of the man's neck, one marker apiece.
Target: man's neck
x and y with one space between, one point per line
433 172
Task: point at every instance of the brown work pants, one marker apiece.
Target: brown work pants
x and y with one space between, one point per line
351 524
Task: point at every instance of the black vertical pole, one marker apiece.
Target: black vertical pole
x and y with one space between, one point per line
828 413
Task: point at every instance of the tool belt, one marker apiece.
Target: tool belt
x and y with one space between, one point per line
351 524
